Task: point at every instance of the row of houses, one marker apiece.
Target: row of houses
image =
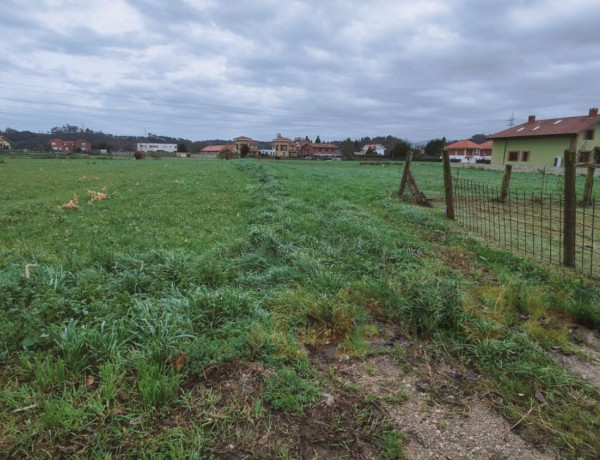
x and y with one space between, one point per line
534 143
281 147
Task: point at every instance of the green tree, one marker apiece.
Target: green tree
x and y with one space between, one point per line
244 151
182 148
400 149
478 138
318 140
434 147
347 149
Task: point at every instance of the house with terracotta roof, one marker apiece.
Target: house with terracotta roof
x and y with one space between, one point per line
543 142
243 140
377 148
226 151
318 150
284 147
58 145
4 143
467 151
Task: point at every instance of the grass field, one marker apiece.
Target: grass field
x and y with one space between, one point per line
188 313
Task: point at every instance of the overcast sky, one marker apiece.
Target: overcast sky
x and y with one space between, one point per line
204 69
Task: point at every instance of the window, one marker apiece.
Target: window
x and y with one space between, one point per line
589 135
524 156
585 157
513 156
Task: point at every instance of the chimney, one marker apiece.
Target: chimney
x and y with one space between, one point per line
594 112
531 119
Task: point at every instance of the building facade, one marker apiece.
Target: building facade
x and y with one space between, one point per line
226 151
283 147
4 143
318 150
376 148
467 151
543 142
58 145
156 147
242 141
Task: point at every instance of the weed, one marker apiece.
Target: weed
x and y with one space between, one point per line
157 385
287 391
392 445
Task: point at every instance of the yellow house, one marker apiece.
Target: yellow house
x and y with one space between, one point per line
543 142
242 141
283 147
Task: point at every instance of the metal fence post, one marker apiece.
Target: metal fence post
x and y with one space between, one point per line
448 185
569 228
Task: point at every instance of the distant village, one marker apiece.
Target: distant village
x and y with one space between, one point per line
533 143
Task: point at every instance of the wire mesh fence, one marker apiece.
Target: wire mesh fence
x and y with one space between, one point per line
529 223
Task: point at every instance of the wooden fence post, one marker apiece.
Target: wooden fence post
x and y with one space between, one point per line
569 226
505 184
589 185
448 185
405 173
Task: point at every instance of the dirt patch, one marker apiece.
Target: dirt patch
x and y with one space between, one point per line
435 404
342 426
586 363
439 431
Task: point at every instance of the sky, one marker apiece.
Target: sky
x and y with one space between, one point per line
208 69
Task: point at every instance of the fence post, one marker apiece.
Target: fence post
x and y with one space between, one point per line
448 185
569 227
589 185
505 183
405 173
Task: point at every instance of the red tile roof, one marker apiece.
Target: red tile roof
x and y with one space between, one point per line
463 145
281 139
550 127
487 145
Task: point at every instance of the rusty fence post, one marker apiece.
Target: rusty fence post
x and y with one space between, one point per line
570 203
405 173
448 185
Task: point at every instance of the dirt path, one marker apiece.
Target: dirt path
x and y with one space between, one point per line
434 407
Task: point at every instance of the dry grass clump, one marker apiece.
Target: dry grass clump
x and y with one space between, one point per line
71 205
97 196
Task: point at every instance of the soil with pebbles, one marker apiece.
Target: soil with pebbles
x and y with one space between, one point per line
439 409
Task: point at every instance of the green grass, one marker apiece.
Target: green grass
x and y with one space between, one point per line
198 291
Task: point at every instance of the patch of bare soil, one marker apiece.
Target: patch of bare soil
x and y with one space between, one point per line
586 363
343 427
435 404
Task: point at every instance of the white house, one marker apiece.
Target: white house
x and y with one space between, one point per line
377 148
154 147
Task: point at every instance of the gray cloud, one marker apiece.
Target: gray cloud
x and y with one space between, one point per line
210 69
